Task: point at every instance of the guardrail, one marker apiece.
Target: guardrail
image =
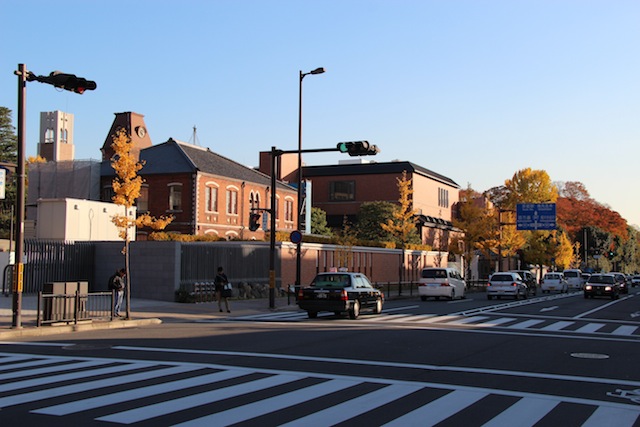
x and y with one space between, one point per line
74 308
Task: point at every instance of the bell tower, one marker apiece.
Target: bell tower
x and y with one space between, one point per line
134 126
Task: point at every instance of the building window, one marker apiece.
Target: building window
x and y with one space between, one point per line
342 190
288 210
211 198
232 202
64 133
49 135
107 193
175 197
254 200
443 197
142 202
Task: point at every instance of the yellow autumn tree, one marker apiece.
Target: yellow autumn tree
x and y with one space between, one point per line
126 187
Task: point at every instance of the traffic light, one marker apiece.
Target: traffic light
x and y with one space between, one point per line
254 221
65 81
358 148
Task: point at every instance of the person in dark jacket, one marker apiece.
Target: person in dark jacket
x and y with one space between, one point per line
116 283
221 283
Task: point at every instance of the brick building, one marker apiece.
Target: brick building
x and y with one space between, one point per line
205 192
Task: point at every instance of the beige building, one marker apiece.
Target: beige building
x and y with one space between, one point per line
56 136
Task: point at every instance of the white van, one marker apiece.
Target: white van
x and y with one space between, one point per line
574 278
441 282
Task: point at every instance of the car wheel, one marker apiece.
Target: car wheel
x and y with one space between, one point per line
586 296
312 314
355 310
423 298
453 294
377 309
517 296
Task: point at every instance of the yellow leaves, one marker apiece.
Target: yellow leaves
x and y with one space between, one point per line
126 187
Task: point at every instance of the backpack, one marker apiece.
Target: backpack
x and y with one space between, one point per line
113 283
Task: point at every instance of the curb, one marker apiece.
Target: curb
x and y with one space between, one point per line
64 329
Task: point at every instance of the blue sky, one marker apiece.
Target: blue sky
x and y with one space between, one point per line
475 90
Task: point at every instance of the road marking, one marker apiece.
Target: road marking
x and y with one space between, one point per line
590 327
526 324
529 408
438 410
556 326
549 308
625 330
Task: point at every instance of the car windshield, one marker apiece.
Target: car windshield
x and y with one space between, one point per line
570 274
602 279
332 280
552 276
434 274
501 278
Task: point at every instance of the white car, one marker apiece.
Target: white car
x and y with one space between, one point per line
441 282
552 282
574 278
506 284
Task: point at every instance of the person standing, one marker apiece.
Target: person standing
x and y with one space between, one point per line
221 283
116 283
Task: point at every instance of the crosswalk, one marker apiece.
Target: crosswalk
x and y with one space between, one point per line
578 326
94 391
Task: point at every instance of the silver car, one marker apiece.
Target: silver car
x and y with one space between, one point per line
507 284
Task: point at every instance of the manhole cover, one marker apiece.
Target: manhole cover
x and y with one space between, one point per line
590 355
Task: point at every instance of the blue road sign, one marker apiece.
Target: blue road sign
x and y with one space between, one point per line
536 216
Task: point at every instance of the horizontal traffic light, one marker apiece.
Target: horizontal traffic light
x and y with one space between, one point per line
358 148
65 81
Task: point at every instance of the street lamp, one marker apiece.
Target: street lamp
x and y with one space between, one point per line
318 70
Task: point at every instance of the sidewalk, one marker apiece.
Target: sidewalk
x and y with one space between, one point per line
143 312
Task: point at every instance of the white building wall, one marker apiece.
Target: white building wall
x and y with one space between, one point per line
79 220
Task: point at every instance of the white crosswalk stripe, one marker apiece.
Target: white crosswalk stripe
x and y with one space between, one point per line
476 321
179 387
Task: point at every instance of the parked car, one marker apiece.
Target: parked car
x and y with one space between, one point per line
604 285
554 282
622 281
529 279
441 282
635 280
340 292
506 284
573 278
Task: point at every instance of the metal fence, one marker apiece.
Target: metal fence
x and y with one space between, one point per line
50 261
74 308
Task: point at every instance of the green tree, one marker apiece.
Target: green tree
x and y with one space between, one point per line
8 154
370 217
319 222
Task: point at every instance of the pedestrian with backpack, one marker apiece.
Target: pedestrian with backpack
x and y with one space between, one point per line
116 283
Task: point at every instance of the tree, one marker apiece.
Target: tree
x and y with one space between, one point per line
475 218
319 222
402 224
8 154
529 186
8 138
370 218
126 186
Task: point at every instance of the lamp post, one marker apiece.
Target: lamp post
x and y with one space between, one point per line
318 70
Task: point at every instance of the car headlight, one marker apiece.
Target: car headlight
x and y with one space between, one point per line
588 288
608 289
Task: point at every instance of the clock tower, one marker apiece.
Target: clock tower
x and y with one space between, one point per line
136 129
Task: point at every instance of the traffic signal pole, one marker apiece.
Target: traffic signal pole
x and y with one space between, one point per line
358 148
65 81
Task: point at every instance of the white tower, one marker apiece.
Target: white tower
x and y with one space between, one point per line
56 136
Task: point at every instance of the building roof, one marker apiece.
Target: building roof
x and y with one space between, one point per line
181 157
375 168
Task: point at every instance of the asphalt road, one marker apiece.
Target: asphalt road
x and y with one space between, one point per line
555 360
